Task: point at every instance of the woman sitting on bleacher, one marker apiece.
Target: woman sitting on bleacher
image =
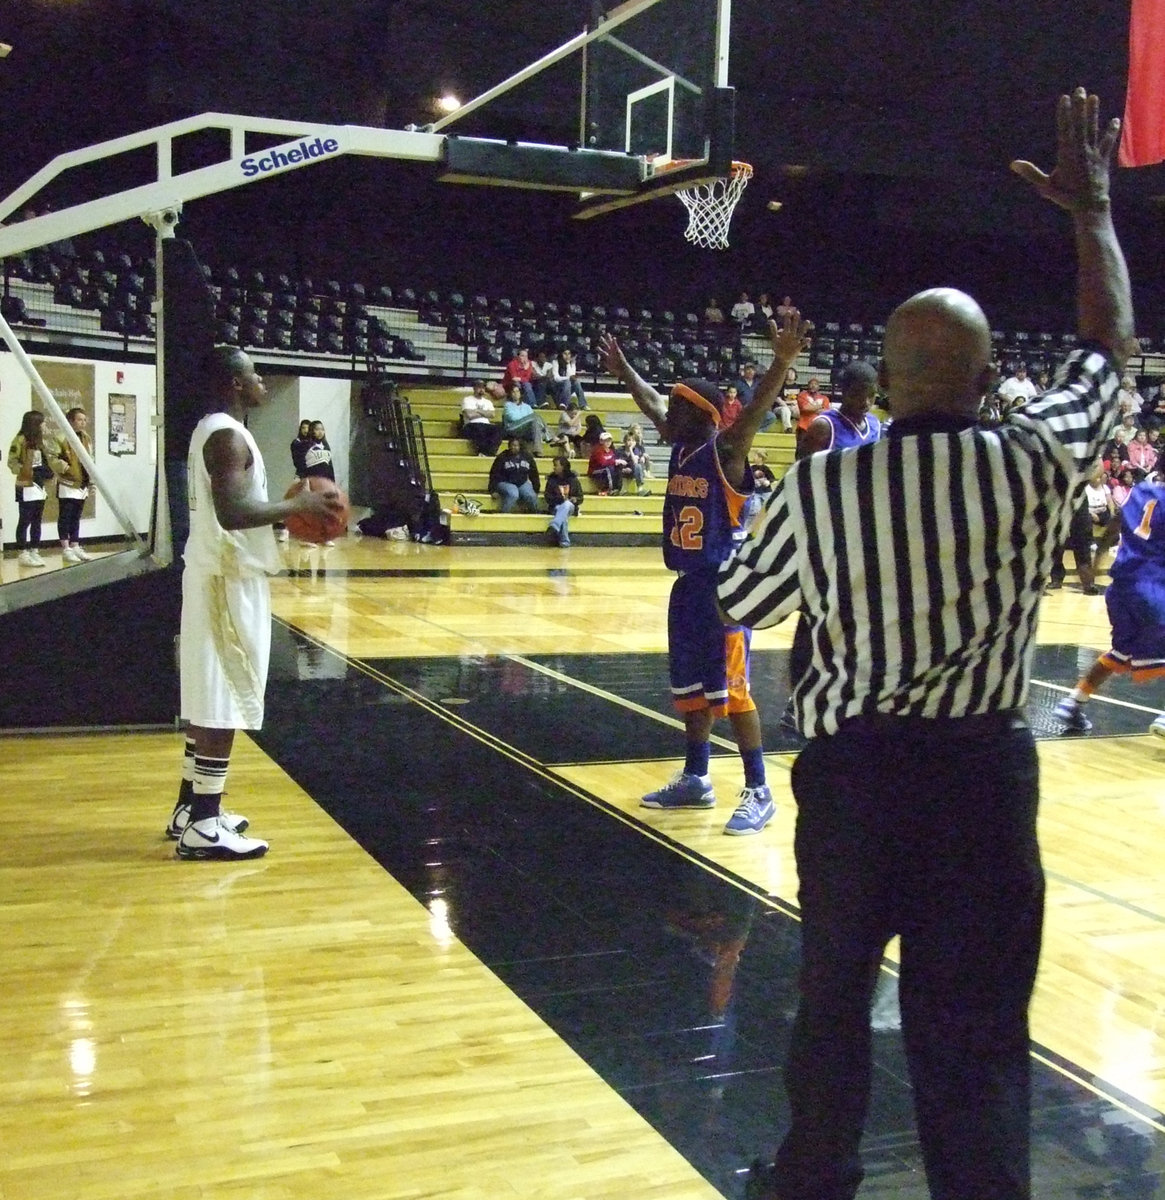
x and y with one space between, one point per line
513 477
563 498
570 430
565 381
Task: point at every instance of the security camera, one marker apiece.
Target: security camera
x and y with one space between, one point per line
170 216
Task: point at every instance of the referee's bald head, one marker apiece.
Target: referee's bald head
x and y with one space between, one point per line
936 354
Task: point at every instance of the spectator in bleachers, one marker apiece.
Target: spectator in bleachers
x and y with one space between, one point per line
1103 513
565 380
763 479
519 420
543 373
635 430
1115 453
742 311
570 430
713 313
630 458
477 421
785 308
592 432
1142 456
784 407
811 402
603 467
746 384
563 498
1128 399
513 477
299 447
520 370
1122 483
1017 389
732 406
764 311
1153 410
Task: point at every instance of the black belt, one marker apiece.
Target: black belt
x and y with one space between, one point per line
975 725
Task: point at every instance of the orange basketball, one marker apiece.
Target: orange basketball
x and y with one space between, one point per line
308 527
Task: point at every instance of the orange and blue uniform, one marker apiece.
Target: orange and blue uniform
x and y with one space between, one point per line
708 661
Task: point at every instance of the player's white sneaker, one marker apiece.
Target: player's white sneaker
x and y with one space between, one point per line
1158 726
180 818
1071 712
212 839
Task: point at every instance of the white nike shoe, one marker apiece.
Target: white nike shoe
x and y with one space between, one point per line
212 839
180 818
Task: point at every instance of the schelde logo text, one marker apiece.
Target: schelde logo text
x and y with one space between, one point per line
289 155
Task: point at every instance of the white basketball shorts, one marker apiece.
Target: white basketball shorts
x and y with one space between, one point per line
224 649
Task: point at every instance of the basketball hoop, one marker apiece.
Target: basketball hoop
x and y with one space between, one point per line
710 207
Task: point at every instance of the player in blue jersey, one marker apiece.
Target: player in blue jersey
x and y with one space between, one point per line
709 479
1136 605
850 423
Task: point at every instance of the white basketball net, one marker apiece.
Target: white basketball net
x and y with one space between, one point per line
710 207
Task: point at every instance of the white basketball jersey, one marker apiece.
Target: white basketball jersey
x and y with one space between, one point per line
234 553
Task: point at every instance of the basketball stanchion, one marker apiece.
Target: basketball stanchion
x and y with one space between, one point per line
710 207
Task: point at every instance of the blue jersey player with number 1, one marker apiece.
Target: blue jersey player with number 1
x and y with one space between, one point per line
1136 606
709 479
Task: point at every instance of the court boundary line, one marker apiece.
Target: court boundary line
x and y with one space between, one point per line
1059 687
1044 1055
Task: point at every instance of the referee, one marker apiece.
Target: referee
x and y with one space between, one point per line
918 564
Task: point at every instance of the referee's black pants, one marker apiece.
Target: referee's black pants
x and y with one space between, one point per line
926 829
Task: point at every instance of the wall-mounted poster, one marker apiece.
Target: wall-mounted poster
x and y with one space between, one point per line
123 423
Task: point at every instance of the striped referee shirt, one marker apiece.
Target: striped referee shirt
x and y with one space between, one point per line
919 561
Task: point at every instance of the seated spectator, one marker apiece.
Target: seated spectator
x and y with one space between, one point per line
1128 399
630 458
635 430
1153 410
746 384
786 308
764 310
520 370
514 476
742 311
563 498
1115 453
1103 513
763 479
1122 484
317 457
784 407
565 381
592 432
519 420
603 467
713 314
570 430
732 407
1142 456
1016 390
542 369
477 421
810 404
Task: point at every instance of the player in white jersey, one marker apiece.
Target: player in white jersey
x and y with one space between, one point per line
226 604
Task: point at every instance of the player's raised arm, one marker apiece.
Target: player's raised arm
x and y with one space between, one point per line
650 402
788 340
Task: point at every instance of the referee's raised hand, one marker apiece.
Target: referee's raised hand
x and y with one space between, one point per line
1079 180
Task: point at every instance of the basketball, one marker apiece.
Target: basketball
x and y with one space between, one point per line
308 527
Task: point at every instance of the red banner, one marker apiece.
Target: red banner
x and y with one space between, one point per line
1143 134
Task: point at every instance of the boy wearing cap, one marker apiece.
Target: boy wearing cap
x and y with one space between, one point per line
708 481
